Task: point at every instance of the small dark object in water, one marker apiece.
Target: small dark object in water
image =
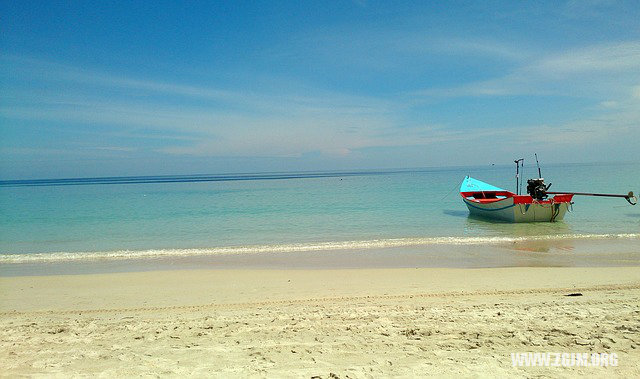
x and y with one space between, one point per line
574 294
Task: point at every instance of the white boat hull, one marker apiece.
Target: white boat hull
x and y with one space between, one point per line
506 210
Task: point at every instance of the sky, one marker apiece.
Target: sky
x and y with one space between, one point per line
110 88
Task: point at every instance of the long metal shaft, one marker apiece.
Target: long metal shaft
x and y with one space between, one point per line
629 197
589 194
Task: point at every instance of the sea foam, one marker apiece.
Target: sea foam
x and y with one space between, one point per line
293 248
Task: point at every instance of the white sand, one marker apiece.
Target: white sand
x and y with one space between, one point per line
297 323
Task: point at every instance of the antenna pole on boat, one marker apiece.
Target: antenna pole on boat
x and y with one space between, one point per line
538 164
517 162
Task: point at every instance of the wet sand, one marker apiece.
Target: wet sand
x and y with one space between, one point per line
552 252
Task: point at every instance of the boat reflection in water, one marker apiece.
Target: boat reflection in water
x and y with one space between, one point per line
538 237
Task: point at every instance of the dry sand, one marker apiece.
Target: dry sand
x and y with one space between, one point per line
305 323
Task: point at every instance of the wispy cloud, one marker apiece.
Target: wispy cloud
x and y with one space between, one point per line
580 72
54 71
616 57
464 47
281 124
293 120
405 50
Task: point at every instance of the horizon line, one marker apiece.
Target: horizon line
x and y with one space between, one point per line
260 175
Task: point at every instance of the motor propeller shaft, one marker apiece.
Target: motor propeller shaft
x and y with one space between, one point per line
630 197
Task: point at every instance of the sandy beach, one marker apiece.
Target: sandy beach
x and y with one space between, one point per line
319 323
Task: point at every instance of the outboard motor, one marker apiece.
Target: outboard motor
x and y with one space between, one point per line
537 189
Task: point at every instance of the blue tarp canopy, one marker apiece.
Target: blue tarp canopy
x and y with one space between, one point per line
470 184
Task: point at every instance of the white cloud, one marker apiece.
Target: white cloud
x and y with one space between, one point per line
296 121
471 47
614 57
287 123
52 71
591 71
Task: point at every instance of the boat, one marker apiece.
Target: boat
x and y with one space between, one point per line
487 201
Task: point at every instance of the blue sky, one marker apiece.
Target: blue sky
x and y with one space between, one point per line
152 87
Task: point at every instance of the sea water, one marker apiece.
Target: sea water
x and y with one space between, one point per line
141 217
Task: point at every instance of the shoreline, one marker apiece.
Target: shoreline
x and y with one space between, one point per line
292 323
520 252
291 247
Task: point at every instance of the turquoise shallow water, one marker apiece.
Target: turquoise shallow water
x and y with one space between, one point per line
166 216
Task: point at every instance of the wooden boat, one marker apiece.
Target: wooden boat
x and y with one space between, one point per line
491 202
495 203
